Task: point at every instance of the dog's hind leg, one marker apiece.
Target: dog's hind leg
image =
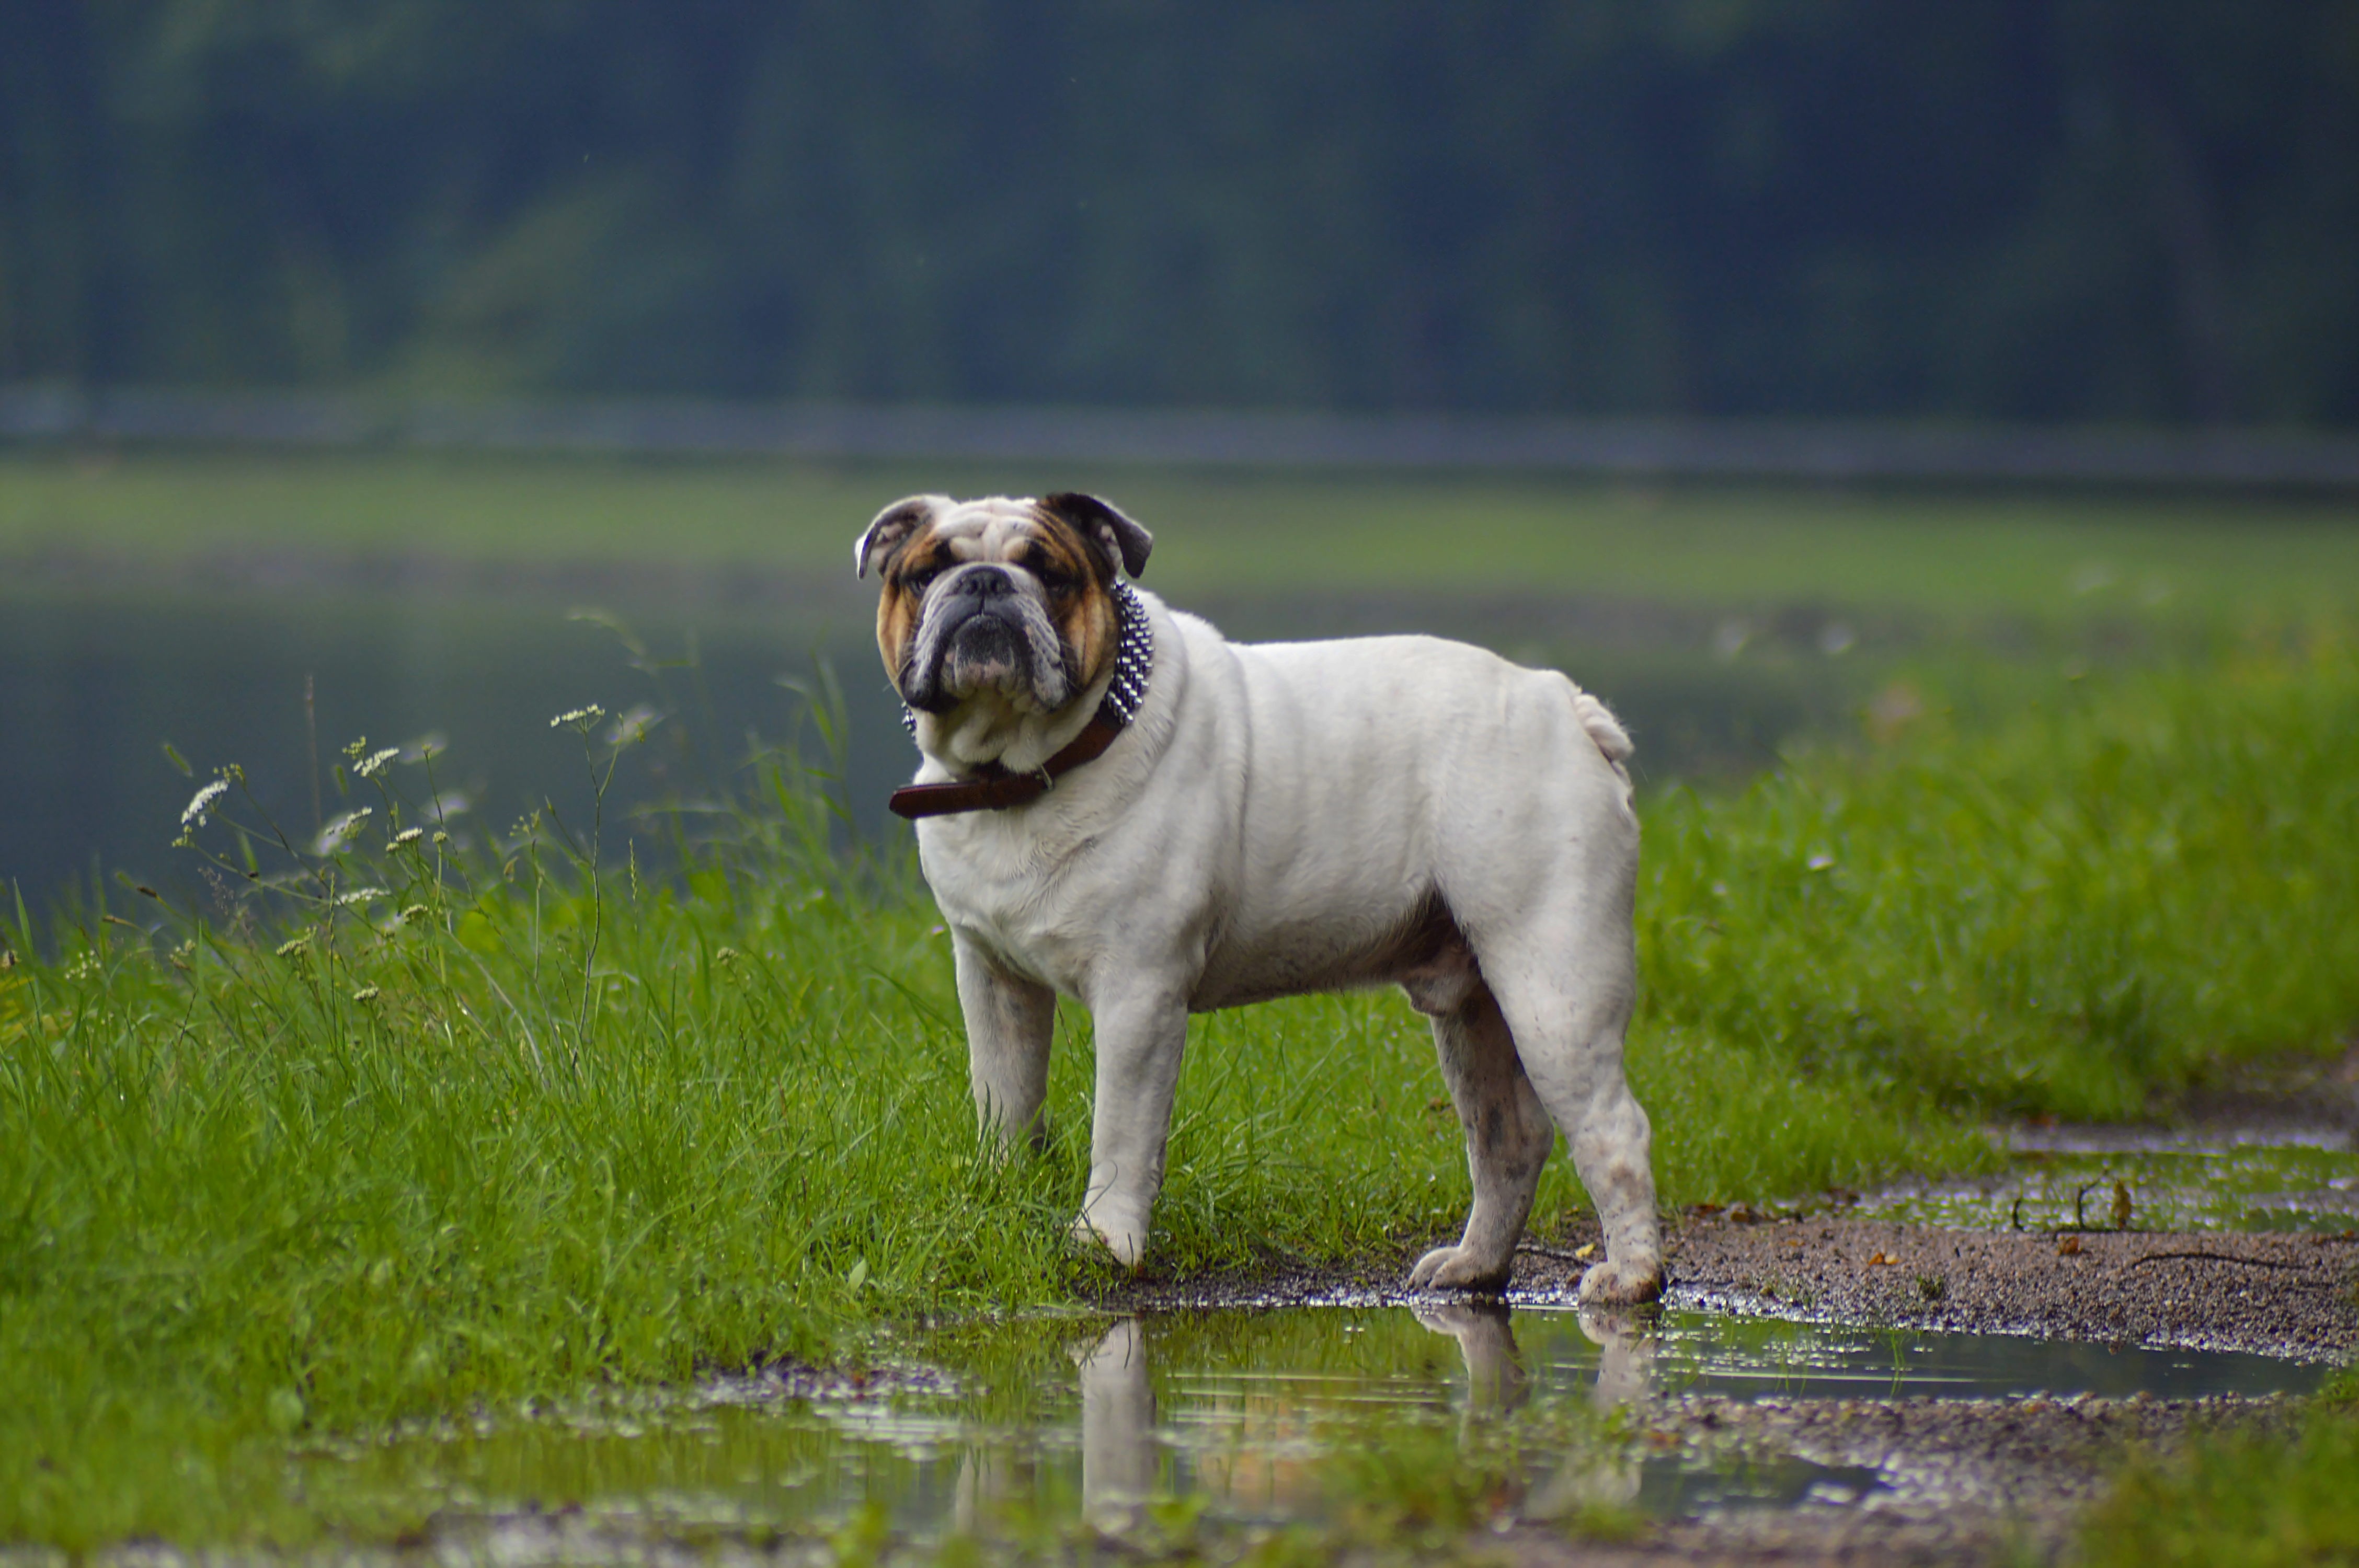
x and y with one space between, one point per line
1508 1135
1569 1036
1010 1023
1613 1152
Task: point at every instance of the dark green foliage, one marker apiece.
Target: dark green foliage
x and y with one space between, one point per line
2082 209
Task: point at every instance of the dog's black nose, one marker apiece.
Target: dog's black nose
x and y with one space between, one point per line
982 582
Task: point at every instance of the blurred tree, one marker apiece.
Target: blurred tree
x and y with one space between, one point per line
2029 209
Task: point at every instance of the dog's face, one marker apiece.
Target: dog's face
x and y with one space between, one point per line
1001 602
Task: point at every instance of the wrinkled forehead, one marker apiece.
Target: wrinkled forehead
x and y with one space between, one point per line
990 529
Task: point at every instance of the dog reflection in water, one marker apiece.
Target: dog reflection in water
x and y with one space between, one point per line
1269 1463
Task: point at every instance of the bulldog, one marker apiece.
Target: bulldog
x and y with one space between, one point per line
1118 804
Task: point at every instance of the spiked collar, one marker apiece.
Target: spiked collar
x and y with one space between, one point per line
993 788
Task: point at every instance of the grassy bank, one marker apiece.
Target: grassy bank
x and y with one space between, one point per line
2073 911
411 1126
1970 553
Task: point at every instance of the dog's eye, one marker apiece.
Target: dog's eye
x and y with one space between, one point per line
916 579
1052 577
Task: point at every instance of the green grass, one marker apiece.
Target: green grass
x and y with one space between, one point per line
402 1131
2075 912
2240 1498
1971 554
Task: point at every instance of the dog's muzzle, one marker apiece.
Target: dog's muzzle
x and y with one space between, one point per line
981 631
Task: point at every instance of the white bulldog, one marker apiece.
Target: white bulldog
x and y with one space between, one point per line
1119 804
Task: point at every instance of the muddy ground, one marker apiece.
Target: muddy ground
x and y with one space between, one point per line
2283 1294
1974 1479
1963 1480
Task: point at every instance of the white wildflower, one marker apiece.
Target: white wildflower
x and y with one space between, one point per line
333 836
202 802
407 836
367 767
360 895
588 715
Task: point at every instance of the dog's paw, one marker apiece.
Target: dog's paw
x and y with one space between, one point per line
1618 1283
1455 1269
1125 1245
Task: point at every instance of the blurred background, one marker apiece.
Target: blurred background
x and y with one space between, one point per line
2083 209
1749 360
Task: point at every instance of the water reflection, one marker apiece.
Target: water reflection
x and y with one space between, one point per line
1255 1449
1245 1417
1499 1382
1118 1459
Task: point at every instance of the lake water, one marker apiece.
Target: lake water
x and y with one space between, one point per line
99 683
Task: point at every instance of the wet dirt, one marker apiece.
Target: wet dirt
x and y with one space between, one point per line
2276 1295
1962 1479
1956 1481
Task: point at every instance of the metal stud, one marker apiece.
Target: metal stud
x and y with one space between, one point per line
1134 656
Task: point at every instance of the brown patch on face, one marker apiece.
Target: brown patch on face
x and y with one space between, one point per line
1074 575
913 566
1072 572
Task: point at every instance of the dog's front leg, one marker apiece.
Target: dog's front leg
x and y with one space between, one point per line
1010 1021
1140 1035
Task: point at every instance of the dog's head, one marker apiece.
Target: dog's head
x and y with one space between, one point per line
1006 603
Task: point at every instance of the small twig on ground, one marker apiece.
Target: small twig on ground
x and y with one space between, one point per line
2210 1256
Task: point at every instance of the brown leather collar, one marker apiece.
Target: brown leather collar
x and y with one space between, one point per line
997 789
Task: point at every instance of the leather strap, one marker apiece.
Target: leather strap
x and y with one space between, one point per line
997 789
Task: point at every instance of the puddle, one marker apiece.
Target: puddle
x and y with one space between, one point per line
1241 1418
2066 1177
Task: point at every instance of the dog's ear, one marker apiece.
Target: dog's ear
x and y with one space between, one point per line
1121 542
892 530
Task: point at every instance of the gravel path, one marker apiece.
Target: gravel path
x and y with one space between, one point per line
2286 1294
2278 1294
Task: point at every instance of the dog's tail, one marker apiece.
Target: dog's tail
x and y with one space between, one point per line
1603 728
